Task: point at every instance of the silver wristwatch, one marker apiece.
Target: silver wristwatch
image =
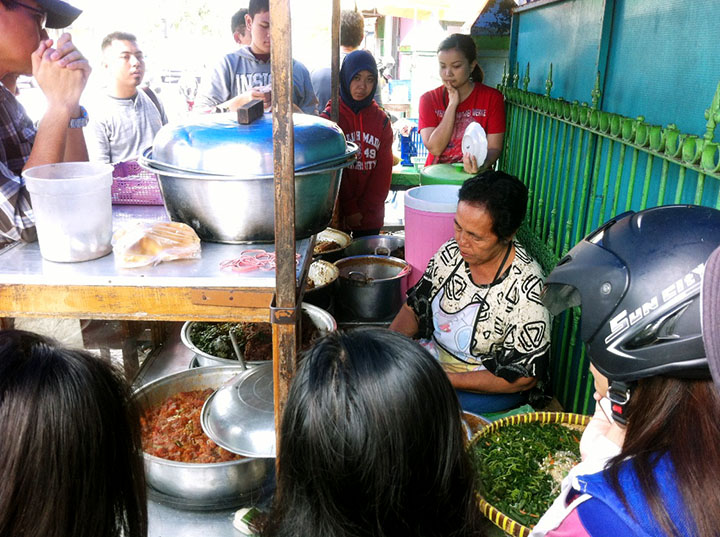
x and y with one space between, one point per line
80 122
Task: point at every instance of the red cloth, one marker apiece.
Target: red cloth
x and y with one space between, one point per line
484 105
365 185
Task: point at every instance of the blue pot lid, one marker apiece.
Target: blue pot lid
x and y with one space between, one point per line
216 144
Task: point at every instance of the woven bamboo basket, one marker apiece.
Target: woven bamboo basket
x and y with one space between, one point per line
501 520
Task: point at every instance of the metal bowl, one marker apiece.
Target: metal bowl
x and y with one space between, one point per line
334 235
236 209
376 245
324 276
222 483
322 319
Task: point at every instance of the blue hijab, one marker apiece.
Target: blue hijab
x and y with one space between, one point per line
359 60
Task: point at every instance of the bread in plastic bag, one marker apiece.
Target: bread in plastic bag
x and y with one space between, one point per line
149 243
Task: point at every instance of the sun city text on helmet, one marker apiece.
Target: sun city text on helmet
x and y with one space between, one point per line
677 292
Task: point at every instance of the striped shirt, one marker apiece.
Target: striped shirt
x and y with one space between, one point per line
17 135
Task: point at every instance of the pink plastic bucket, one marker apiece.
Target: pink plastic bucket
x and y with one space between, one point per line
429 215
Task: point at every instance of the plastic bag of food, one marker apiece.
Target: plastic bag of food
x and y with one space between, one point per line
149 243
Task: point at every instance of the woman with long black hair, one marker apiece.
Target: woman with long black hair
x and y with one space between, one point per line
372 445
70 455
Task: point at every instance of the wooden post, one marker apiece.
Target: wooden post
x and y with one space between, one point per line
335 84
335 65
284 334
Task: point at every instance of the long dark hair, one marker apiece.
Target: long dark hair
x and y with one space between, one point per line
372 444
466 45
679 418
71 458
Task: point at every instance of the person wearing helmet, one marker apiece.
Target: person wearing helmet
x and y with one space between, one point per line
711 314
638 280
478 302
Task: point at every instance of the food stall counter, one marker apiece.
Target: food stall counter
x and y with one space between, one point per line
23 263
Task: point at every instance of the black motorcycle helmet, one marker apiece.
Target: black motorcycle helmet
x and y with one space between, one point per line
638 278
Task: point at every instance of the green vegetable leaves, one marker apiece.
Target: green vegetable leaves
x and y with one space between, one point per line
214 338
512 467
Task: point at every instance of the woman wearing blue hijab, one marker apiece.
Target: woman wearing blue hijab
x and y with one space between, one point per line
365 185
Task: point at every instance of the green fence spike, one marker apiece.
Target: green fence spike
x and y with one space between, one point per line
596 93
712 115
549 83
526 78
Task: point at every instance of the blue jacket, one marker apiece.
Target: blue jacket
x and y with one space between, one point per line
605 513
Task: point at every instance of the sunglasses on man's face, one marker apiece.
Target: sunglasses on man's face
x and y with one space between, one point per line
40 14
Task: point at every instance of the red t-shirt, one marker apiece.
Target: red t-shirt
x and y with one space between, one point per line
484 105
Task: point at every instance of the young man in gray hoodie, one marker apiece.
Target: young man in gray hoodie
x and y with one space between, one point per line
236 79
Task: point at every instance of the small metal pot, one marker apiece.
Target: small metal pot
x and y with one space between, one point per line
209 484
324 276
323 321
391 245
370 287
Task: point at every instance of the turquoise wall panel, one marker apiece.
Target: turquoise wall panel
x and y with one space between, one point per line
565 34
664 61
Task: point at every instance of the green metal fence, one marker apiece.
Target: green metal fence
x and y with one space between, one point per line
582 166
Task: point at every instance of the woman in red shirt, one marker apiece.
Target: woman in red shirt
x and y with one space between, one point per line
445 112
364 185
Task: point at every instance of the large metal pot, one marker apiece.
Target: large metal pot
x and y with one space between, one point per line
391 245
207 484
217 176
322 319
370 287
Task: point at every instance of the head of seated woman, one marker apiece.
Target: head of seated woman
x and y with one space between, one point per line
371 438
70 434
491 207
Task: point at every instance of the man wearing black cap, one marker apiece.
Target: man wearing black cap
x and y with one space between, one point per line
61 72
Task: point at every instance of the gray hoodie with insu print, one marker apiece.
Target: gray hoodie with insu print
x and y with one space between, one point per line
241 70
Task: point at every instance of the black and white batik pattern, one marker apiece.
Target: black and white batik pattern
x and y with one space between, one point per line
511 335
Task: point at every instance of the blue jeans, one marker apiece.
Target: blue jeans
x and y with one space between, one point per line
483 403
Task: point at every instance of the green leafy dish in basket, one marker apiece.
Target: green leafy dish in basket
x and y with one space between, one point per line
520 462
